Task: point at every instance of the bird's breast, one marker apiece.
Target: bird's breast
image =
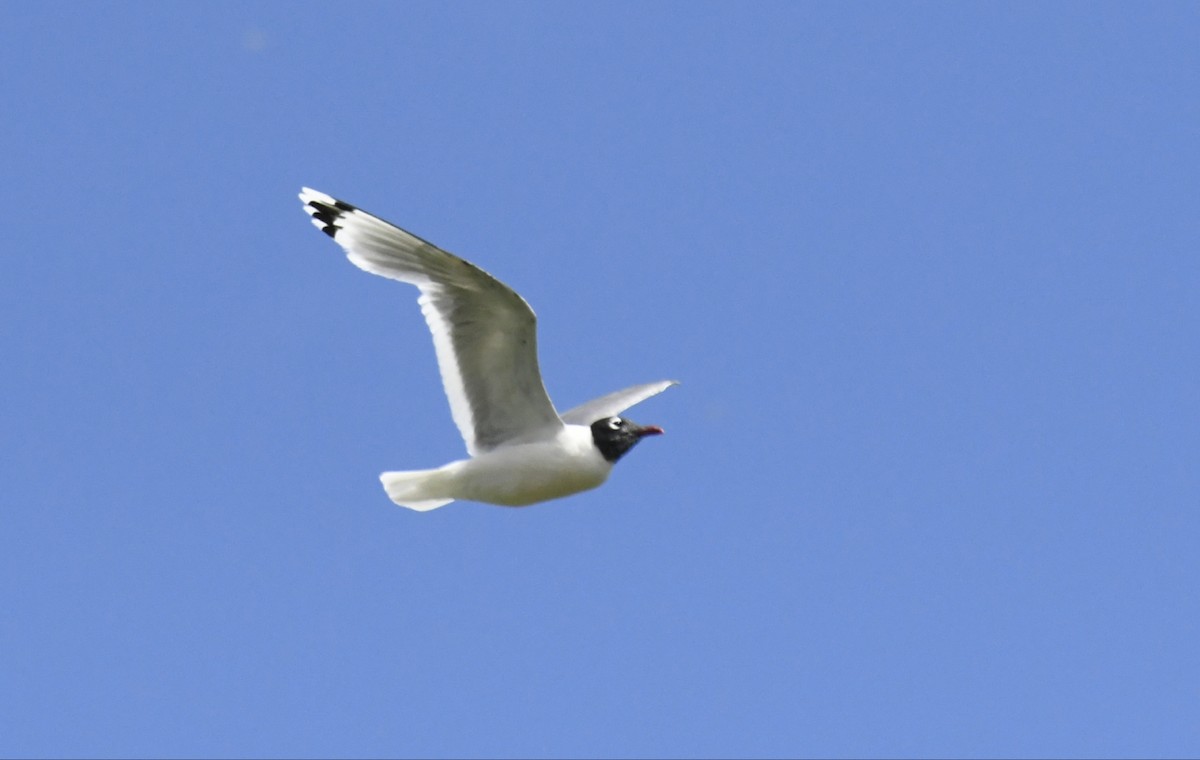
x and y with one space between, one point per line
527 473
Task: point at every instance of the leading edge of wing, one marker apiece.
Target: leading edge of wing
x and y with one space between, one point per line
614 403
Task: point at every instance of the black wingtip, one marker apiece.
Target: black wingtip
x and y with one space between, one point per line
328 215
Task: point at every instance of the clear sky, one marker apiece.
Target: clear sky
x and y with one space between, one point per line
929 273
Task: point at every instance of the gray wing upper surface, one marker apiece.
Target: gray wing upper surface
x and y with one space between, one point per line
484 334
614 403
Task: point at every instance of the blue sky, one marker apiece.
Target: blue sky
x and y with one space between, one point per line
929 274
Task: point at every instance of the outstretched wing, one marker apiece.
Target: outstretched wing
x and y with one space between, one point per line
485 335
614 403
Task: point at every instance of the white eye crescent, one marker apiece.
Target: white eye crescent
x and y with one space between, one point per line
615 423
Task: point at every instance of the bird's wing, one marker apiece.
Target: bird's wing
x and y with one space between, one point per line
485 335
614 403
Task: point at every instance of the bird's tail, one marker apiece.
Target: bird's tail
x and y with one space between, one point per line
415 489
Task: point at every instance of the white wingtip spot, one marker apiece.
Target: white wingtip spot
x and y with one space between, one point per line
307 194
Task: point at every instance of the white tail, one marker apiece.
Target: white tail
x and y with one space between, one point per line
414 488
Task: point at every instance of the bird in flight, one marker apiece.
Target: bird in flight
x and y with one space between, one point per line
521 450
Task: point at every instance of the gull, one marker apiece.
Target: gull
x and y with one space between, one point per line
522 451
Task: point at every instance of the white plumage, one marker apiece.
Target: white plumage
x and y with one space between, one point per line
485 338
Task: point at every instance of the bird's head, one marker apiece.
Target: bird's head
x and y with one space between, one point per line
616 435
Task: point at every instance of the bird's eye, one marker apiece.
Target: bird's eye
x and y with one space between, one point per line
615 423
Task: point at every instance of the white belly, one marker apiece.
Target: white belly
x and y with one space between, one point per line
515 476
